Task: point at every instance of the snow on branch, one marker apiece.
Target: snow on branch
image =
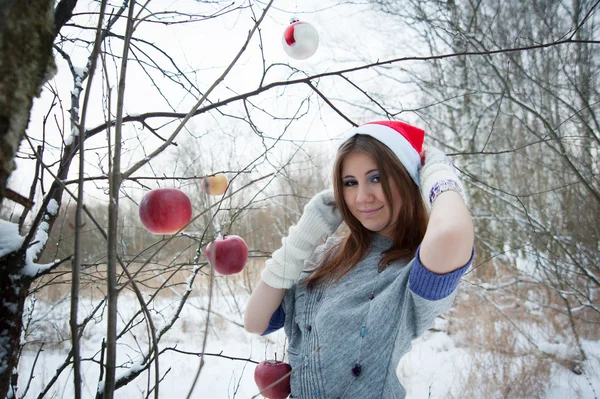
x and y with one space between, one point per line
10 240
128 375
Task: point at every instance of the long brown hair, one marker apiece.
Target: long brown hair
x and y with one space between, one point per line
409 227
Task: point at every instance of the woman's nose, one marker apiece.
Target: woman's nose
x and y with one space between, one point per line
364 193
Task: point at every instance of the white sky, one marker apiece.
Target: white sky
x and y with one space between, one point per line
348 37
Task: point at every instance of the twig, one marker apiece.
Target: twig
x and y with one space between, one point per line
220 354
113 220
31 376
206 325
18 198
75 270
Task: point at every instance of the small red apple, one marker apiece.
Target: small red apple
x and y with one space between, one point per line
165 210
231 253
268 372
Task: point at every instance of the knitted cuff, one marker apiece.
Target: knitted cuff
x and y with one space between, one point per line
437 178
432 286
276 281
277 320
444 185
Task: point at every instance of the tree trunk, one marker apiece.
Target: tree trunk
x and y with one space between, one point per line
14 291
26 36
27 32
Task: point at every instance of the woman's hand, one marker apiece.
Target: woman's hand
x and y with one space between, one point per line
438 175
320 218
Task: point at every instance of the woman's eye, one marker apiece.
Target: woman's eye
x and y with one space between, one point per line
349 183
375 179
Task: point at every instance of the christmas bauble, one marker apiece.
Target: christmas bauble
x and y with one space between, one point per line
300 40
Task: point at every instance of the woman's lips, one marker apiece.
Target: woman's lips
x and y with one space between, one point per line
369 212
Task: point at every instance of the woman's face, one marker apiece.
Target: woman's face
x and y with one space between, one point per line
364 196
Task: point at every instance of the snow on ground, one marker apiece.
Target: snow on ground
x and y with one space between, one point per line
432 367
570 385
435 368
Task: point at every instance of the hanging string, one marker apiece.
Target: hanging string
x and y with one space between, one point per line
294 16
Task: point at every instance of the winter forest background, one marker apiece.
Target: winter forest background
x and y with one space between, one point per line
101 101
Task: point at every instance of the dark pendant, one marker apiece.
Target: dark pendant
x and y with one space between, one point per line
356 370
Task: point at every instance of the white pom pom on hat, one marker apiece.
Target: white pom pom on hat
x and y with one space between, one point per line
405 141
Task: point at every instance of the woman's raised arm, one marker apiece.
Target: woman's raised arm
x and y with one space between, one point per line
448 241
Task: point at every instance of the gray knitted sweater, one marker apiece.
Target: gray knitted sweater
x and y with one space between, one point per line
346 340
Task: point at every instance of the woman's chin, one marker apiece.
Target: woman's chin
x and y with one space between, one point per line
373 227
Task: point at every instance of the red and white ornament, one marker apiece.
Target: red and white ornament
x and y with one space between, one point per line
300 40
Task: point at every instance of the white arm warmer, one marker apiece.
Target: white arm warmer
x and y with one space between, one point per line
438 175
319 219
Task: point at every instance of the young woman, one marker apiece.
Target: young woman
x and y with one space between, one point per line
351 306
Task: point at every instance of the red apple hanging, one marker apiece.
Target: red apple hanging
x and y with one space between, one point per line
231 254
165 210
268 372
300 40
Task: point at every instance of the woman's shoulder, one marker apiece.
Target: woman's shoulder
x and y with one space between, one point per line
320 252
329 244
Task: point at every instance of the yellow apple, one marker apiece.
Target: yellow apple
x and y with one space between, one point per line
214 185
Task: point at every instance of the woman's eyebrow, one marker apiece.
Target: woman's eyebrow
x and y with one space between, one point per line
366 173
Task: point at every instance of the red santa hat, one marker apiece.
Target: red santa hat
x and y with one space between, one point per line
405 141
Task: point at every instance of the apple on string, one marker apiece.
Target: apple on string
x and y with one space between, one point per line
165 210
267 373
300 40
230 254
214 185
